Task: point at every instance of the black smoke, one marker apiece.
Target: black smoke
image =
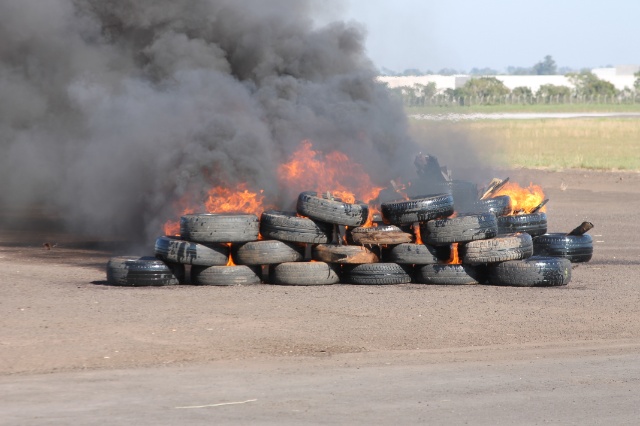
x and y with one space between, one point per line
110 110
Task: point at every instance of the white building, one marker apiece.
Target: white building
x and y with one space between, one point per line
620 76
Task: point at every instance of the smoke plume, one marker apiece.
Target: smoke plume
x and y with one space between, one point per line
111 110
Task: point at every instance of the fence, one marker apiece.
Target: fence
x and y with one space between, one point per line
445 100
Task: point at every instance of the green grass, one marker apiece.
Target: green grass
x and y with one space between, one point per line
523 108
603 144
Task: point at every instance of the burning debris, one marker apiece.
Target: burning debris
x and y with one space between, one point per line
332 237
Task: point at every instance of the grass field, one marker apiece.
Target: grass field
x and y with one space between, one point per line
604 144
523 108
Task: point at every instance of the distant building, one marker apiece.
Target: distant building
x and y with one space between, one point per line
620 76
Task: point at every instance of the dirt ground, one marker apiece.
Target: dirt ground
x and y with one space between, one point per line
57 314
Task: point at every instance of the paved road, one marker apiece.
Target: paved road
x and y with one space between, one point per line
566 384
521 116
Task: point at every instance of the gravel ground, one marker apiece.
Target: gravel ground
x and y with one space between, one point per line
58 315
521 116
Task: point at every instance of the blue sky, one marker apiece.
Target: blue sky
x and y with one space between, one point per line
462 34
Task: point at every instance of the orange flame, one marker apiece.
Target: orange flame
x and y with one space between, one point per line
454 258
335 172
523 200
230 262
417 233
221 199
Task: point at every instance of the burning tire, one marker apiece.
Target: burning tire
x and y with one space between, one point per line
304 273
267 252
534 224
378 273
575 248
499 249
449 274
376 235
219 228
459 229
319 207
536 271
499 206
286 226
418 209
224 275
133 271
416 254
334 253
172 249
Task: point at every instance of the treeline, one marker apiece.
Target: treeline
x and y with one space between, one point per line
587 87
547 66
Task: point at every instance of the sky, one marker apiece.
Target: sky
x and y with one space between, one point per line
463 34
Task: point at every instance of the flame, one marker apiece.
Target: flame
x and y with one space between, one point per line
523 200
237 200
221 199
335 172
417 233
230 262
454 258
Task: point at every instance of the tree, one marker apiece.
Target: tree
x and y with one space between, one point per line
551 90
483 71
426 90
519 70
483 87
588 84
522 91
546 67
449 71
636 84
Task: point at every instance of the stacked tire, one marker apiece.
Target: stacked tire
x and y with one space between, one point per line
309 247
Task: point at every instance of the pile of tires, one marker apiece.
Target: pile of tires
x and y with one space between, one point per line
324 242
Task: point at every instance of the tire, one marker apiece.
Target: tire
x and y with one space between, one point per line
534 224
418 209
334 253
536 271
449 274
304 273
416 254
219 228
224 275
267 252
459 229
172 249
499 249
464 193
378 273
318 207
499 206
575 248
286 226
377 235
134 271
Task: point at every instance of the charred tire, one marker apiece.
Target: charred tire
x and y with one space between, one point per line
441 274
418 209
320 208
334 253
286 226
499 206
172 249
575 248
219 228
386 234
133 271
224 275
416 254
267 252
304 273
378 273
499 249
536 271
534 224
459 229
